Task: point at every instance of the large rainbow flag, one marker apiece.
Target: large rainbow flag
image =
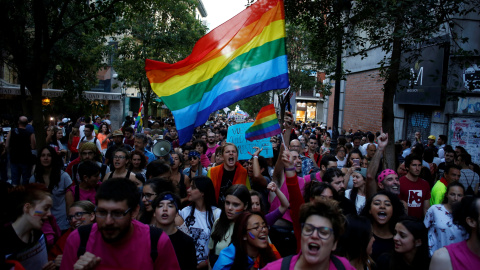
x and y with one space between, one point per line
243 57
265 125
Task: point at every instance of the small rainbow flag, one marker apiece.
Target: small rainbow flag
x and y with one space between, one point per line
243 57
266 125
139 120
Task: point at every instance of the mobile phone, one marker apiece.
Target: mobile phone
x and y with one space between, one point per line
356 162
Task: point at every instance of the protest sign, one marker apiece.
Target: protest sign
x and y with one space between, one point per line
236 135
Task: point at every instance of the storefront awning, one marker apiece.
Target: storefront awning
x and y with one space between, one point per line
51 93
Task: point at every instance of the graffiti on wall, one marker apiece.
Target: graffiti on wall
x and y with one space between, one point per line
468 105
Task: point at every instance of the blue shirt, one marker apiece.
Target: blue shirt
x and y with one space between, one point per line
226 258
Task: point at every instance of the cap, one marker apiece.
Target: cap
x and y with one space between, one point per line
431 137
117 133
384 174
65 120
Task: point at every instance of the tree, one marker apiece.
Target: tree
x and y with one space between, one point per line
163 30
33 35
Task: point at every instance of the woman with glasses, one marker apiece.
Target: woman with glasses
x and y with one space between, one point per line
196 168
121 158
48 171
200 216
322 223
341 153
150 190
80 213
249 247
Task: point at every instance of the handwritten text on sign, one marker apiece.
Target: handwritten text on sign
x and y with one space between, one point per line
236 135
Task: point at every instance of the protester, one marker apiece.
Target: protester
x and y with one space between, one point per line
451 174
141 141
200 216
73 140
357 193
413 189
89 137
258 206
354 161
150 190
322 224
411 247
356 243
237 200
196 168
384 210
249 244
138 164
23 239
48 171
104 137
439 220
166 207
117 240
117 143
121 160
79 213
88 151
180 180
85 190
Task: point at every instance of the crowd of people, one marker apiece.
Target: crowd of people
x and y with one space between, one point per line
99 198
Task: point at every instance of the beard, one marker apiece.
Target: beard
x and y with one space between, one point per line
122 232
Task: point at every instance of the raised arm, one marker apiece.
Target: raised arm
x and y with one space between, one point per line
375 163
284 203
257 173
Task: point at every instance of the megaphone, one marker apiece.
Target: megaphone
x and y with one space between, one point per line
162 148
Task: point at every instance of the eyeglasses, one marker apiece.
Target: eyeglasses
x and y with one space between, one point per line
260 228
119 157
116 214
148 195
77 216
89 153
323 232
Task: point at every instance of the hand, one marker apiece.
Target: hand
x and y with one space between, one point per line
58 260
272 187
382 140
257 151
287 159
49 266
87 261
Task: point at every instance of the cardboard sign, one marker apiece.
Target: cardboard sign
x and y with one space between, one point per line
236 135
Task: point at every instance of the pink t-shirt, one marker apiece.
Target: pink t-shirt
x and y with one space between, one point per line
317 177
133 254
85 195
276 202
461 256
278 263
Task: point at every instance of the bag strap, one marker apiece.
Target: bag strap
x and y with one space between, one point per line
336 261
155 234
84 233
286 263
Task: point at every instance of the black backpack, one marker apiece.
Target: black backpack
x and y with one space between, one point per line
84 233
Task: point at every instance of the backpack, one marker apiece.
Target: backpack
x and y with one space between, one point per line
94 140
338 264
84 233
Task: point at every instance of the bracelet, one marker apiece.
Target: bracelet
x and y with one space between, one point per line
290 169
255 156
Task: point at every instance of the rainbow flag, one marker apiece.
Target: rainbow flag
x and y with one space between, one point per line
243 57
266 125
139 120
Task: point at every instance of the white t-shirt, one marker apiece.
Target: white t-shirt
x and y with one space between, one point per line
359 202
341 164
82 128
93 140
199 230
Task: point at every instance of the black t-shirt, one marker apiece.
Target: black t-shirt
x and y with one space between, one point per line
381 246
109 153
184 247
347 206
11 244
227 181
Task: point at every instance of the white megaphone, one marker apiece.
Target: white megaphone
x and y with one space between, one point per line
162 148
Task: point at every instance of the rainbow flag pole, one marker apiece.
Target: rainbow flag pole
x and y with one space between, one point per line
139 120
265 125
243 57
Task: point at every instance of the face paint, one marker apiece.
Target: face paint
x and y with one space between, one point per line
238 212
251 235
39 213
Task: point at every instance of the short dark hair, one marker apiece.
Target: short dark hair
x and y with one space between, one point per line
327 209
466 158
128 129
156 168
90 126
408 143
87 168
326 159
370 137
159 198
119 189
443 137
330 173
451 166
202 143
410 158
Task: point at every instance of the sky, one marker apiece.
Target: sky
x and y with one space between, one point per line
219 11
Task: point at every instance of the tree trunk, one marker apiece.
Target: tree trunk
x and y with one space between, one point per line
390 87
38 121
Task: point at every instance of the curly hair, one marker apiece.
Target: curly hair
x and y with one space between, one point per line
328 209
